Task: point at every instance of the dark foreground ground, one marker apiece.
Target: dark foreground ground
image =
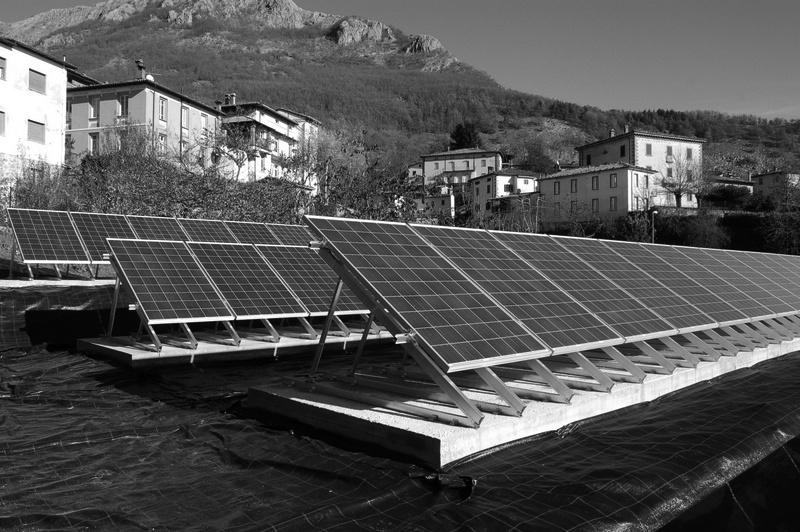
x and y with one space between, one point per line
84 445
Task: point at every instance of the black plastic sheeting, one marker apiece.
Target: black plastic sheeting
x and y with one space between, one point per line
84 445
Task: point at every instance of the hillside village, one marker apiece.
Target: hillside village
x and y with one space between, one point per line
61 115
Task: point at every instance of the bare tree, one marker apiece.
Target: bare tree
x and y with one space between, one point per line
682 178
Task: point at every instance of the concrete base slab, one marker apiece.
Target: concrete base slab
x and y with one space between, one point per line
437 444
121 351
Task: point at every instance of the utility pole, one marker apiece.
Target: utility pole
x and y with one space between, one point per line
653 226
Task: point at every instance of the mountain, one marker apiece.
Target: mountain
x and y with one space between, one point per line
356 71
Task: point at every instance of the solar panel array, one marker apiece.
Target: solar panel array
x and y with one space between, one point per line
47 237
156 228
206 230
251 233
94 228
474 298
291 235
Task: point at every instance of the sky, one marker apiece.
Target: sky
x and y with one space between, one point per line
734 56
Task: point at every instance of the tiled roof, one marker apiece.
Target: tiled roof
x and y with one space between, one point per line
639 133
463 151
582 170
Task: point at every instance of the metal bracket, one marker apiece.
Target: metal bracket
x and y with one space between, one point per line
623 362
362 343
687 358
559 387
188 332
234 335
660 363
310 331
344 330
113 313
730 348
328 320
586 365
501 390
710 354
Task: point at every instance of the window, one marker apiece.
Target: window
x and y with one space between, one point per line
612 180
491 169
442 203
689 154
483 163
507 187
588 160
162 143
488 205
2 124
573 207
669 151
557 208
263 163
94 104
556 188
669 172
122 106
37 81
525 181
94 143
648 149
162 109
435 166
636 199
204 126
689 176
595 205
646 181
573 185
622 151
2 68
488 189
466 165
184 118
595 182
636 180
452 166
612 203
35 131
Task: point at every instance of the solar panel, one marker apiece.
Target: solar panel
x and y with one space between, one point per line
311 279
291 235
783 266
252 289
206 230
457 324
752 300
557 319
608 301
756 267
46 237
251 233
655 295
684 281
168 284
156 228
95 227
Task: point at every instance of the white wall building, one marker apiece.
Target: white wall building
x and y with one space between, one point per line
673 157
459 166
484 189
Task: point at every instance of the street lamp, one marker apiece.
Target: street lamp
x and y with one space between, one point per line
653 226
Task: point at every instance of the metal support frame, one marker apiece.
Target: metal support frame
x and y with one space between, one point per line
662 364
310 331
623 362
741 336
328 320
344 330
499 387
687 358
605 382
790 325
362 343
273 332
58 272
781 328
561 389
30 273
770 333
190 335
113 313
730 348
11 258
753 335
232 332
154 337
709 353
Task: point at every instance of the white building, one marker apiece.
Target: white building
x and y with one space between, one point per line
602 191
483 190
33 94
782 188
677 160
459 166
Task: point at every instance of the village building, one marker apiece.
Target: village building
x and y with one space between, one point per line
484 191
677 161
457 167
602 191
100 115
780 188
33 92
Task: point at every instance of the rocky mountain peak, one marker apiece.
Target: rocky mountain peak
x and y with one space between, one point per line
423 44
352 30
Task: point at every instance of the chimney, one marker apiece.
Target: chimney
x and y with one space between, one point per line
142 71
218 105
227 99
557 166
627 128
612 133
233 98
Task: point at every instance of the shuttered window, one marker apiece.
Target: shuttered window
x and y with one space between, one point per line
2 124
37 81
2 68
35 132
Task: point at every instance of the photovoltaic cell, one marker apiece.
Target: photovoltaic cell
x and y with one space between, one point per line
168 284
206 230
756 267
547 310
291 235
684 281
251 288
753 301
597 293
156 228
251 233
47 237
459 326
783 269
311 279
94 228
655 295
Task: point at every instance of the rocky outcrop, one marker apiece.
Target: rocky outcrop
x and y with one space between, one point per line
352 30
423 44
